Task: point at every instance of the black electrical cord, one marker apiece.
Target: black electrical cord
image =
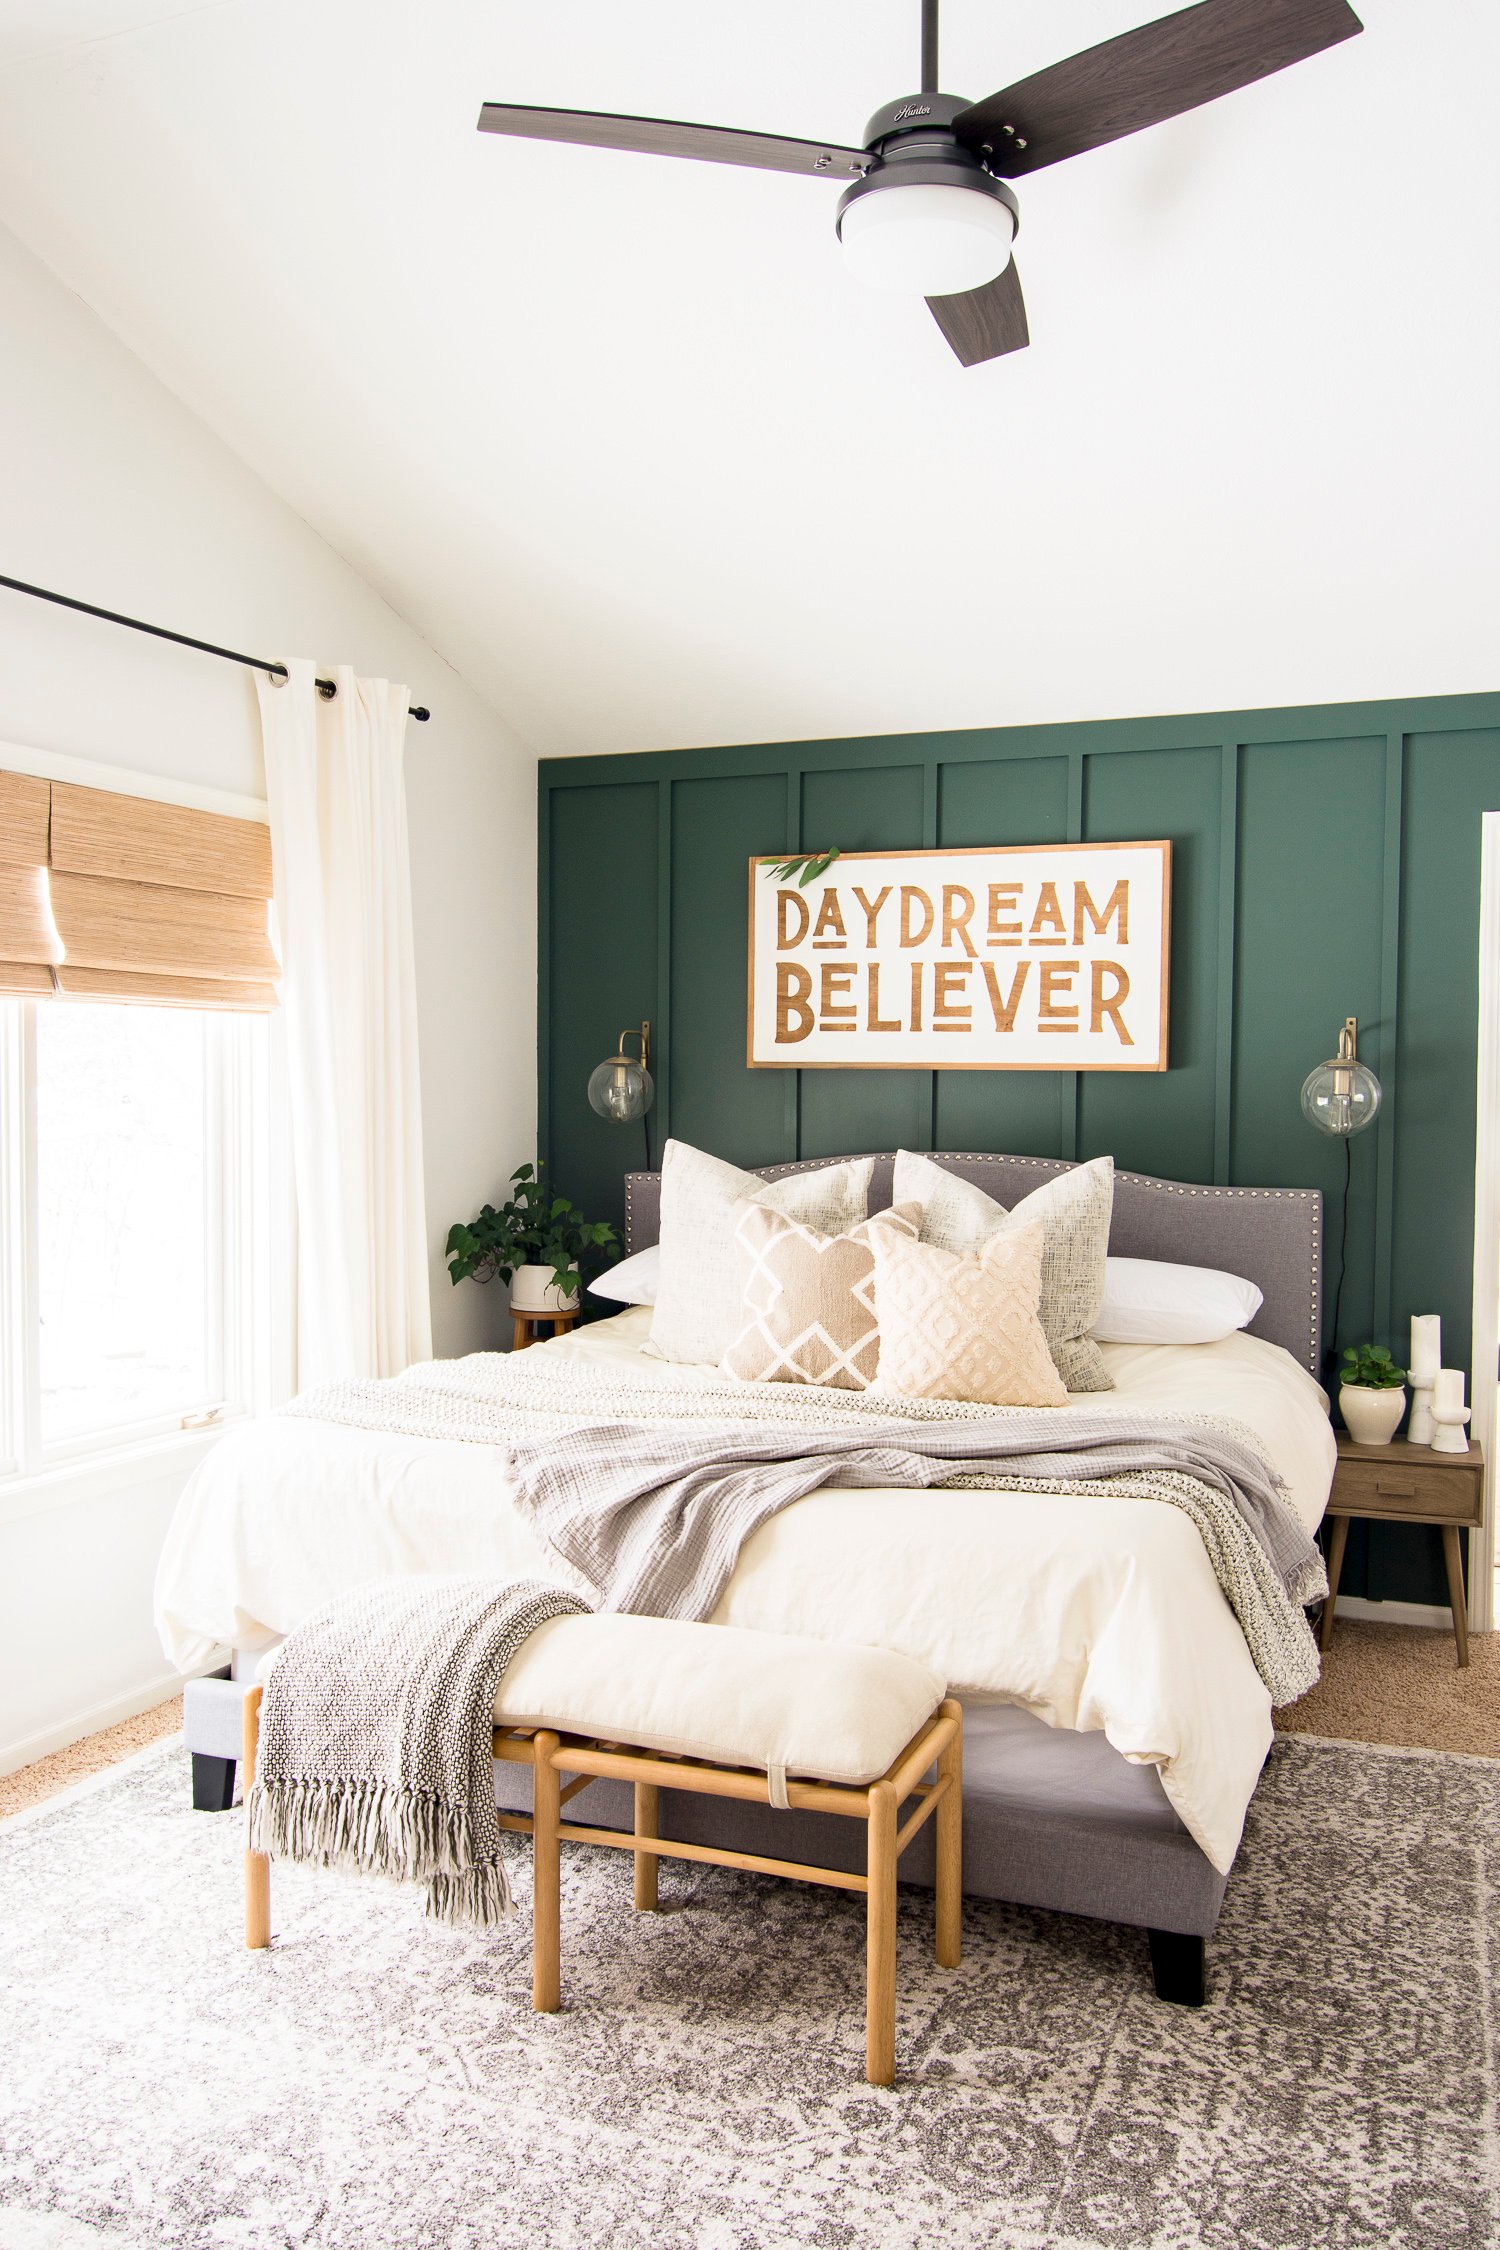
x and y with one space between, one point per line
1338 1296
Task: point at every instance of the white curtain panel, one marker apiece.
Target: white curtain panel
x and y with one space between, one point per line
336 794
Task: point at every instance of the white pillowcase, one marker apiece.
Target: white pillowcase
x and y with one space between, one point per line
1147 1301
632 1281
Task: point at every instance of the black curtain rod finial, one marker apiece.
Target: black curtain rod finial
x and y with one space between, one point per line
326 688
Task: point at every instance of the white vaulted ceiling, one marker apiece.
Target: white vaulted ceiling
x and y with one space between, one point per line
621 438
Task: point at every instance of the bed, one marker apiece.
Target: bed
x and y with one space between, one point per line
1116 1724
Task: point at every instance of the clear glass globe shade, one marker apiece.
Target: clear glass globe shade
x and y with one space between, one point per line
927 241
621 1091
1340 1098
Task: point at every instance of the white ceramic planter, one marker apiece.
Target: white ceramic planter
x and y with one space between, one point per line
533 1290
1371 1417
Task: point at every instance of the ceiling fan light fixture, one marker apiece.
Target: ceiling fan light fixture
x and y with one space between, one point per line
927 237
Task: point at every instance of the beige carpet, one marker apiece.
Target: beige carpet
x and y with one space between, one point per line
30 1784
1401 1684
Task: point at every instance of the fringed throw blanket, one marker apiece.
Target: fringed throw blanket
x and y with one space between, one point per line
650 1490
375 1735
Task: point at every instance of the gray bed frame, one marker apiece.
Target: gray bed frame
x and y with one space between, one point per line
1052 1818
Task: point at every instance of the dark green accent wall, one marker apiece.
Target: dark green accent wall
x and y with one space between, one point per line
1325 863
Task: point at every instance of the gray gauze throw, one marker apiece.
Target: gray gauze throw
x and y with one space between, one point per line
376 1729
655 1518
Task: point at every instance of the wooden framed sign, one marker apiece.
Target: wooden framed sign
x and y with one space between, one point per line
1013 957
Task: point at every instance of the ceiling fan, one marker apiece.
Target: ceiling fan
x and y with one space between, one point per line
928 208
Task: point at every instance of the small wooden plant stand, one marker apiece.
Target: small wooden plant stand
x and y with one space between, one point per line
539 1327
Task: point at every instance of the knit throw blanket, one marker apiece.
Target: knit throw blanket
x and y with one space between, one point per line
375 1735
650 1489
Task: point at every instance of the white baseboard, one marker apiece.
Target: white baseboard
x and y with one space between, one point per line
1395 1613
13 1755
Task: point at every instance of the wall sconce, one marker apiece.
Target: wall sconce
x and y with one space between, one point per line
1341 1097
622 1088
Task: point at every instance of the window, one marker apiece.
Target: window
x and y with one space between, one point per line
132 1205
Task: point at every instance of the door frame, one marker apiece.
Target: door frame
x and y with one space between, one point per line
1484 1389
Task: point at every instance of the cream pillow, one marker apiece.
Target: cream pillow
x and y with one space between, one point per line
964 1327
809 1299
1075 1211
697 1314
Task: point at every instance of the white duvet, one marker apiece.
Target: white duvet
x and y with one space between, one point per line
1092 1613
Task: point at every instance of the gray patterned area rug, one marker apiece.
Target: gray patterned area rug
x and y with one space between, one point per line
377 2080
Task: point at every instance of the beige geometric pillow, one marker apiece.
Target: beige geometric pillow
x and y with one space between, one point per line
1075 1210
965 1327
698 1312
809 1299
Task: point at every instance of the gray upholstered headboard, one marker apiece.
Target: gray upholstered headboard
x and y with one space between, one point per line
1271 1236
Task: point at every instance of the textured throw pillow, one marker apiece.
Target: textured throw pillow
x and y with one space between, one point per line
1075 1212
964 1327
697 1315
809 1299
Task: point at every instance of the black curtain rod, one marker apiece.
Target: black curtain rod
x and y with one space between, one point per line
326 688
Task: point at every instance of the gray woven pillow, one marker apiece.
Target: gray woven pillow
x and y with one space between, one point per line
1075 1211
698 1311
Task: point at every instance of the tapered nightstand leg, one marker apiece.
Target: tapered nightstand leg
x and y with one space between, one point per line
1453 1557
1338 1541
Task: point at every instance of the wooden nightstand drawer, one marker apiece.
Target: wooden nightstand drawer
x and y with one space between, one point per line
1415 1491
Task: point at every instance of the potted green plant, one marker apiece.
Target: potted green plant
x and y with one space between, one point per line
535 1241
1372 1394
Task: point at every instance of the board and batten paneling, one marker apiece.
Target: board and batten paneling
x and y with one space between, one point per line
1325 863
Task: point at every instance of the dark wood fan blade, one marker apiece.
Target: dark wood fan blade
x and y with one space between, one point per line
985 323
663 136
1148 75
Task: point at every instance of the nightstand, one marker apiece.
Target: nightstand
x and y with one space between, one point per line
1401 1483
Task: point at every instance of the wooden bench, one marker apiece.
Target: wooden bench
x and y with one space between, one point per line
759 1744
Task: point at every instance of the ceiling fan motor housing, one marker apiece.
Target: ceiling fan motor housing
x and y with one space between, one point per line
912 144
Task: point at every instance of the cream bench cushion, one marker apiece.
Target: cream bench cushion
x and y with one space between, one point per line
720 1692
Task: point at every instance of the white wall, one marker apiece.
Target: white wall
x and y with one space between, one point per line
114 493
628 441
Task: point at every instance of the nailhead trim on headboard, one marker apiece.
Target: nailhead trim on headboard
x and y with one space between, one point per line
1309 1196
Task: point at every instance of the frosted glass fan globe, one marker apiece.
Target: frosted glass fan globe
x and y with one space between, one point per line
927 241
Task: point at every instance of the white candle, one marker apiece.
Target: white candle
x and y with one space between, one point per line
1447 1392
1426 1346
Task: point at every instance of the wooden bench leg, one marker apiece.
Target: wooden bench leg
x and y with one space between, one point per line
880 1937
948 1821
647 1823
546 1876
257 1865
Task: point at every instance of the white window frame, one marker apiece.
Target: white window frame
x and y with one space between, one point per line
234 1231
247 1265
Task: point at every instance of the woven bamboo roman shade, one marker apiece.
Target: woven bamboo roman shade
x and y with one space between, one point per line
107 897
28 942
